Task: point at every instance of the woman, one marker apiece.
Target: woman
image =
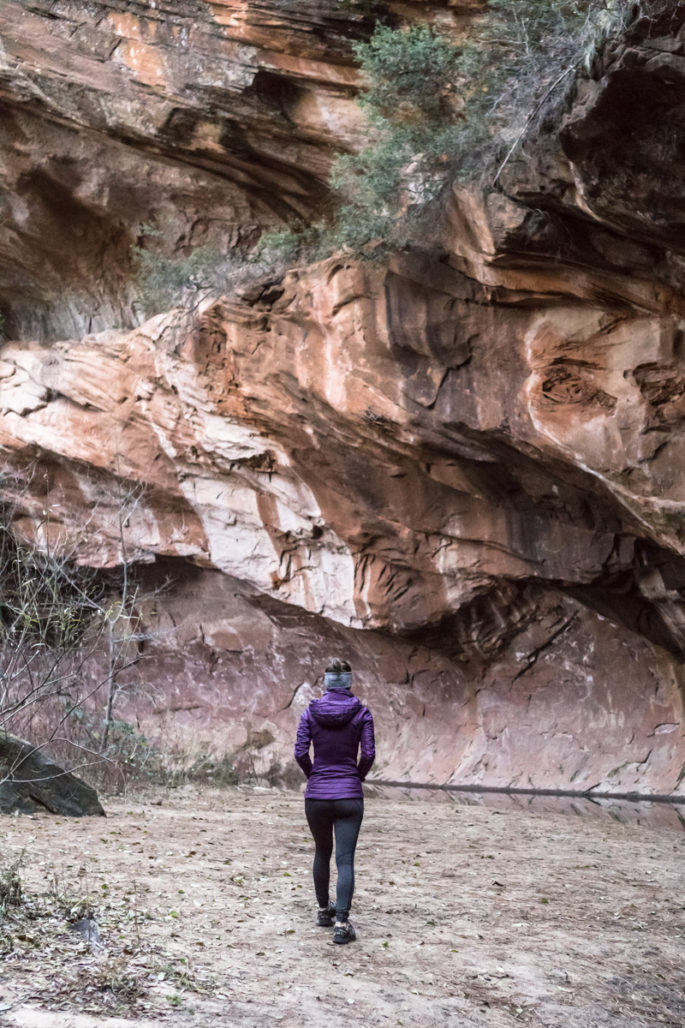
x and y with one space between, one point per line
338 724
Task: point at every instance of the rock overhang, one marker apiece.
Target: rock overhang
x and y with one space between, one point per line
471 448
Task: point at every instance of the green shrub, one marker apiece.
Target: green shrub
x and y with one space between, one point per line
436 110
279 246
412 107
164 282
410 74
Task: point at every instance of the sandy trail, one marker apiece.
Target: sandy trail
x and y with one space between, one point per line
466 916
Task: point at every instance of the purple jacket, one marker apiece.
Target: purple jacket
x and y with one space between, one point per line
338 724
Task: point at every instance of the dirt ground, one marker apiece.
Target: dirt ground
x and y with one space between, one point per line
466 916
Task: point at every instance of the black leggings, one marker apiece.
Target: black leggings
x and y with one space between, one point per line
345 818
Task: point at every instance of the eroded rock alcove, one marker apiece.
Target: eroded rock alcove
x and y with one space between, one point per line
460 465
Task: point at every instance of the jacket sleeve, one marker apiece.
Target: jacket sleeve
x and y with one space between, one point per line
302 742
367 744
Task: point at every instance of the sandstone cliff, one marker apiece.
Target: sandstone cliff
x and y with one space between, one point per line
461 466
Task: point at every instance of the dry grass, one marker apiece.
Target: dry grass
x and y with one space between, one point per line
89 947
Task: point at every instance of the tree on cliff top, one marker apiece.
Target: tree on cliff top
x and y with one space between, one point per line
438 109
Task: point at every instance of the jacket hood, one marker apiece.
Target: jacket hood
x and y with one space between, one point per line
335 709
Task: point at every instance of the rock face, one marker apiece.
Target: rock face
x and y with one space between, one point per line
201 120
461 466
29 781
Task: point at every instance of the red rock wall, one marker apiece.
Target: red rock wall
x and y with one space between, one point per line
459 466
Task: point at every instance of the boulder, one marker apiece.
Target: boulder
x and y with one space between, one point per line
30 781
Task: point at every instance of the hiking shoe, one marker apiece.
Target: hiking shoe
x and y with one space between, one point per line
326 916
344 932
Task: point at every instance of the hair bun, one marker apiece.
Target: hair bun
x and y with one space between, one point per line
335 666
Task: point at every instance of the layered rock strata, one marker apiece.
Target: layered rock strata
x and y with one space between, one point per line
200 121
459 465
